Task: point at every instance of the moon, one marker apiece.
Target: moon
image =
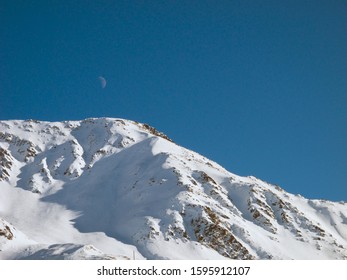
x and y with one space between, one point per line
102 81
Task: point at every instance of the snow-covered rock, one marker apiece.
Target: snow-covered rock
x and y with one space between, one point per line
114 189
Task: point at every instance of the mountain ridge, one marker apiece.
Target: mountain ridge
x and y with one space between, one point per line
105 188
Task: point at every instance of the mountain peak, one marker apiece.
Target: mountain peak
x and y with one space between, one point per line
106 188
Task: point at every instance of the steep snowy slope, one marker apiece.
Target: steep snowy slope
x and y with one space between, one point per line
14 244
112 188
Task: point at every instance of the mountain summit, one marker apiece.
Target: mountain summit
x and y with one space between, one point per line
114 189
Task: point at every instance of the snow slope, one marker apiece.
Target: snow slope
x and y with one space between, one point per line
114 189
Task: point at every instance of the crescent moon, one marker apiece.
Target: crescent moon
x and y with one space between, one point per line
102 81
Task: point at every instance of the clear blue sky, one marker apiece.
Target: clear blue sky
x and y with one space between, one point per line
258 86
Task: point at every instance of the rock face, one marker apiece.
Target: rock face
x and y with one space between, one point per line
5 230
113 188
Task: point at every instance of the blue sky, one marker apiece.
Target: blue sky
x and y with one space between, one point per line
258 86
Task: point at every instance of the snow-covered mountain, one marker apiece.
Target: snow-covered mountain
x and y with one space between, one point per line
117 189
